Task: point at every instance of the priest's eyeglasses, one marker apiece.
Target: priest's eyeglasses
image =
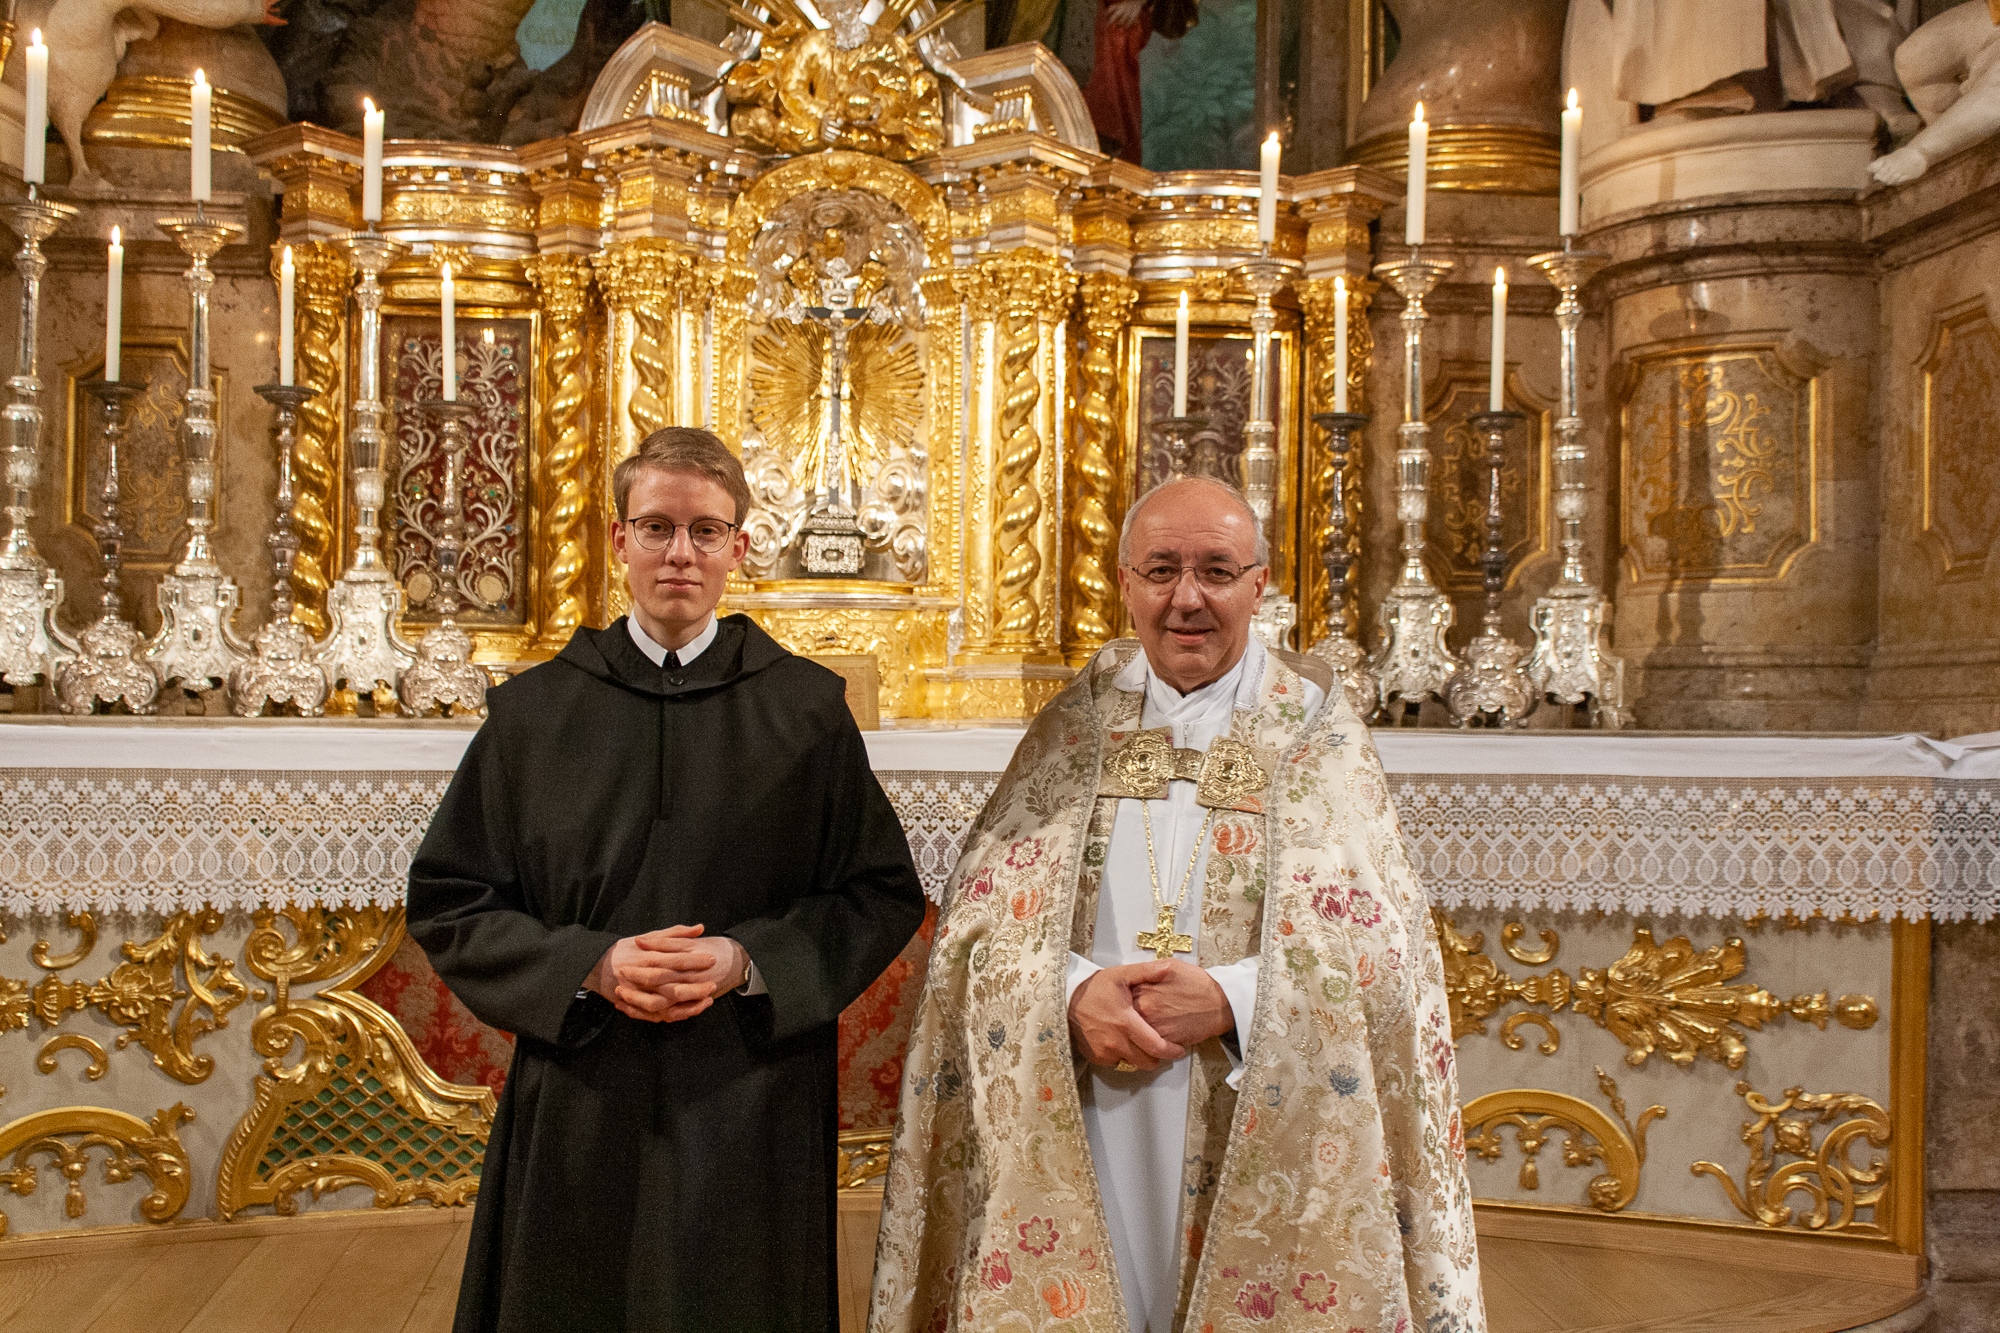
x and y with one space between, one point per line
657 534
1213 573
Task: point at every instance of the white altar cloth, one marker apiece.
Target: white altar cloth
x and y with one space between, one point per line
168 814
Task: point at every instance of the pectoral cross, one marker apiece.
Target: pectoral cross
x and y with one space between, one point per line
1162 940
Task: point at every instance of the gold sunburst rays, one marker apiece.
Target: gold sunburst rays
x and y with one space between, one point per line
885 394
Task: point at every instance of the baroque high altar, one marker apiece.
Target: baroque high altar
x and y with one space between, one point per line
933 317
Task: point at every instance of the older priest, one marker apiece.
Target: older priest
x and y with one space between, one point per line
666 867
1189 881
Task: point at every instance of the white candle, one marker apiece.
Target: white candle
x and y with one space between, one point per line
1340 344
35 130
200 97
114 303
1420 144
1499 369
1267 192
287 278
449 297
1181 358
1572 139
371 162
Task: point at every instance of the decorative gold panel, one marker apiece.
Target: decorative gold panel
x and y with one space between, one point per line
1589 1136
1456 524
1668 999
169 992
1836 1187
360 1107
1961 413
903 641
69 1133
1720 463
320 323
885 382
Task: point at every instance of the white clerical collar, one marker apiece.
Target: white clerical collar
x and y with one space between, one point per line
1241 683
690 650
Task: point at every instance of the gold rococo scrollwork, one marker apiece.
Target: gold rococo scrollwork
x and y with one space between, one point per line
1589 1136
169 992
864 1156
133 1146
317 1125
904 642
1837 1186
1669 999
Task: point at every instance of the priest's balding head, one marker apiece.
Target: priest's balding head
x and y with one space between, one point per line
1192 565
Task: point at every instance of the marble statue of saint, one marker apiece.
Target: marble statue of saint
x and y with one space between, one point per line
1951 67
1694 58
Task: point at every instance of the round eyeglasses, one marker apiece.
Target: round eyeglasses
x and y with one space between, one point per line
1212 574
709 535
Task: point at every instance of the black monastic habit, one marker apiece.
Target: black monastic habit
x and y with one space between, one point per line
662 1176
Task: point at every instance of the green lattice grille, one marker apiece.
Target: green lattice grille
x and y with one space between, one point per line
361 1119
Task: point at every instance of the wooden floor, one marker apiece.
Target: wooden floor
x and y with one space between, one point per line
376 1272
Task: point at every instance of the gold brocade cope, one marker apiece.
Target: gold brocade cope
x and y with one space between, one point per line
1229 775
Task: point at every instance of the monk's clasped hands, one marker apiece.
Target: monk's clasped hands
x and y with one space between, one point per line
665 976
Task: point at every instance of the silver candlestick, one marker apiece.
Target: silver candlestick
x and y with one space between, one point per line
1263 277
1491 685
1413 663
1174 437
196 643
109 667
29 590
363 649
1571 661
444 675
282 672
1338 648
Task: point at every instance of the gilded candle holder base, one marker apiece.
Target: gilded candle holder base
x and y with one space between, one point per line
108 668
1338 647
1490 686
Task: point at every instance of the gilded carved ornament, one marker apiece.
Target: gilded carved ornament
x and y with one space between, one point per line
561 499
1588 1136
1669 999
319 325
1090 616
317 1125
851 85
169 993
1835 1186
132 1146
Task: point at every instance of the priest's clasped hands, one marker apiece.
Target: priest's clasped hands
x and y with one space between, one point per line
1146 1014
668 975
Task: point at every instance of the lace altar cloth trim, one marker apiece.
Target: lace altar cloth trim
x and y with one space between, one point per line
169 840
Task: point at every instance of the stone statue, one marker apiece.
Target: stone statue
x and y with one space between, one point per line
1951 67
1694 58
87 39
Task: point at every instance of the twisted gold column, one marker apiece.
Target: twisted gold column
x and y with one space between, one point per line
730 285
562 535
1029 285
319 328
1316 302
1091 618
641 280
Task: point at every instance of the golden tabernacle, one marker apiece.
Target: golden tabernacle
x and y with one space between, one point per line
1621 453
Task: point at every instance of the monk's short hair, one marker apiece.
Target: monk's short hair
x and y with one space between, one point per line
1262 551
684 449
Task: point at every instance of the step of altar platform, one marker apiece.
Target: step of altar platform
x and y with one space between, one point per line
377 1272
